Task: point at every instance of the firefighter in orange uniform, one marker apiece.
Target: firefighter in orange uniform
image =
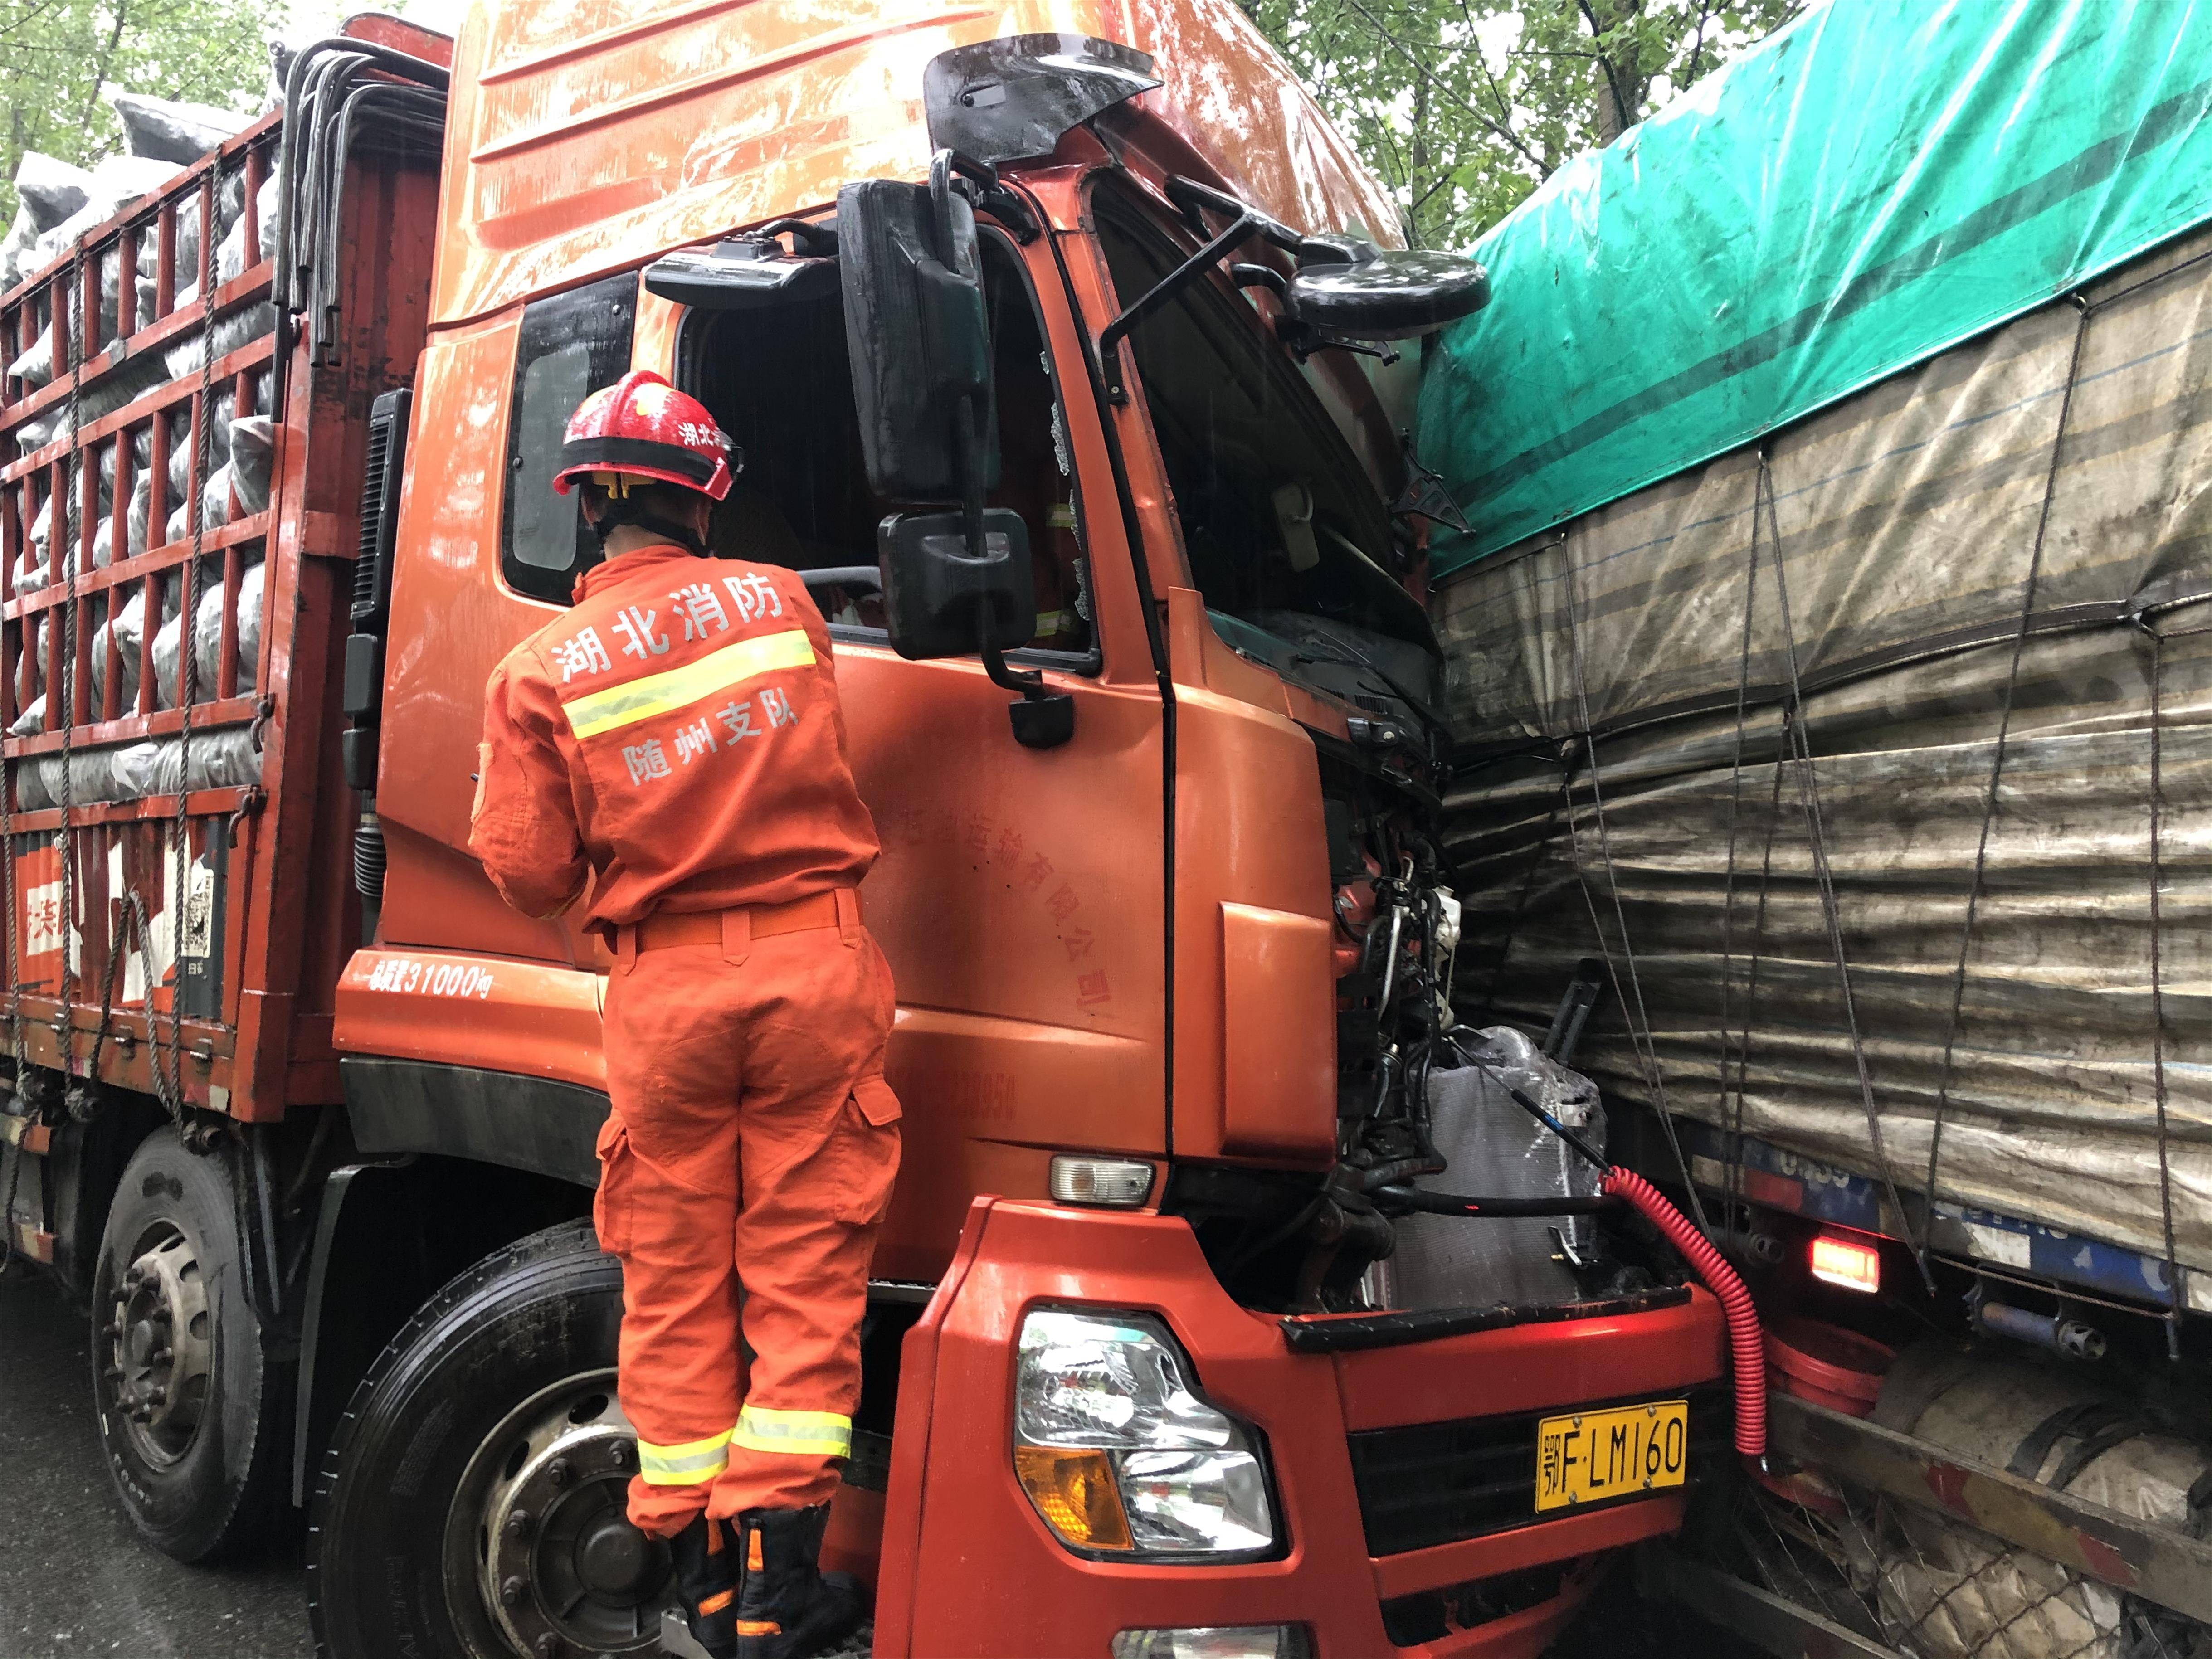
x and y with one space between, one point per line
674 743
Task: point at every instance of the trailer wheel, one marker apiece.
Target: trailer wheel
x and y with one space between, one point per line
192 1410
472 1500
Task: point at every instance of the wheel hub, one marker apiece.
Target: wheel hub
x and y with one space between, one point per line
159 1349
562 1569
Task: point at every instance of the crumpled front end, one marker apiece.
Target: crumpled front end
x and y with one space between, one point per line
1399 1463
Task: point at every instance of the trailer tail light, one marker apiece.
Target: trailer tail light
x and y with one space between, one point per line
1847 1262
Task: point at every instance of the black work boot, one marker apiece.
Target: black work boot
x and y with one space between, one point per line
786 1607
706 1558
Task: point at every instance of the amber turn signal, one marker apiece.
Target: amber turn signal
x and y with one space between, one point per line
1073 1489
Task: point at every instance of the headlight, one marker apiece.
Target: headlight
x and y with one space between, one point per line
1119 1454
1215 1642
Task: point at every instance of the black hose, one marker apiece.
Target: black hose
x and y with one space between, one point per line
1537 1112
1429 1203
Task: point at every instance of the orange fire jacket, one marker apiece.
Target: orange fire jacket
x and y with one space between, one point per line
678 734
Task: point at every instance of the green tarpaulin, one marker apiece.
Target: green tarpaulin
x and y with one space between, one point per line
1879 181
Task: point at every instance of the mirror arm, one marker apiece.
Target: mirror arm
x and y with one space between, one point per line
1246 224
1043 719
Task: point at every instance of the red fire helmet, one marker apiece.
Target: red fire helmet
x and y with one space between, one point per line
642 426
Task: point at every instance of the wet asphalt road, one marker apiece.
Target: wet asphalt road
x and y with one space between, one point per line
74 1577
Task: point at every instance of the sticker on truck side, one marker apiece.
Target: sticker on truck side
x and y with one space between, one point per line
410 974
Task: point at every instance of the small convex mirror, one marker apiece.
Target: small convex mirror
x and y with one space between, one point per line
1387 296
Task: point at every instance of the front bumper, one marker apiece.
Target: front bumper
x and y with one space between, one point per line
967 1567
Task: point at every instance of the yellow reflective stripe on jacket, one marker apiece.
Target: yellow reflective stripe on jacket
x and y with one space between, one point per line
693 1464
812 1434
678 688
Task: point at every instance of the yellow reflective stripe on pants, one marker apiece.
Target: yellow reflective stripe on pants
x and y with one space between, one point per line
693 1464
805 1434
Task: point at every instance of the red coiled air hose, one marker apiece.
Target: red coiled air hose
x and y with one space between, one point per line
1747 1347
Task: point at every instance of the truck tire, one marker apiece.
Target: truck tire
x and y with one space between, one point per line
193 1411
472 1498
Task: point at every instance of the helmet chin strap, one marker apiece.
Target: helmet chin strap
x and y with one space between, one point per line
617 510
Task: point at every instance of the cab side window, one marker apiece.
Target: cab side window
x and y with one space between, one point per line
779 382
571 344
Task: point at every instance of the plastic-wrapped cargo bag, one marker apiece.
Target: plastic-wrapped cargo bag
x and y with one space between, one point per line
230 332
116 183
47 191
50 190
35 364
251 440
1494 1149
207 638
127 628
169 130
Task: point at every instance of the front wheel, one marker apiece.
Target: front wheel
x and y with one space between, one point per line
473 1502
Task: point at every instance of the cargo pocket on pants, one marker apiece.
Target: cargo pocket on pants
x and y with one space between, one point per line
610 1205
869 1126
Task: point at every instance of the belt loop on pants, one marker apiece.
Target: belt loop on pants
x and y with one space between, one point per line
848 915
737 934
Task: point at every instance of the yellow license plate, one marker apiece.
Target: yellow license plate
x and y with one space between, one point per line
1587 1457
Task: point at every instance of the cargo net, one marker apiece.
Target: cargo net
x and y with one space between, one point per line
136 432
1928 1585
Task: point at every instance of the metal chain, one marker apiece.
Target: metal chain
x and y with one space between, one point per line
1809 789
1996 765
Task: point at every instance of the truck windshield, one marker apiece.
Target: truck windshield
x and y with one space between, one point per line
1285 535
779 382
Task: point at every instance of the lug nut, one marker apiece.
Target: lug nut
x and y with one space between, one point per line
161 1318
518 1525
161 1357
548 1645
157 1395
558 1472
621 1453
510 1593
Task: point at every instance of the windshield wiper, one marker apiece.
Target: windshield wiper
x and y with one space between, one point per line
1439 728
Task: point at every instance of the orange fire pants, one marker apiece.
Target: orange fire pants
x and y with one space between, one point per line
745 1169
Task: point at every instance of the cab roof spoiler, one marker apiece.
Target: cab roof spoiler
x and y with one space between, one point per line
1014 99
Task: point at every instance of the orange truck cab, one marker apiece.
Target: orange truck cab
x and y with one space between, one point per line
1058 339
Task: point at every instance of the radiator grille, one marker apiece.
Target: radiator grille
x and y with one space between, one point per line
1435 1482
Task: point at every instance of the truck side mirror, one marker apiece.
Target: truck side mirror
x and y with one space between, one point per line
1375 295
918 333
920 340
939 599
